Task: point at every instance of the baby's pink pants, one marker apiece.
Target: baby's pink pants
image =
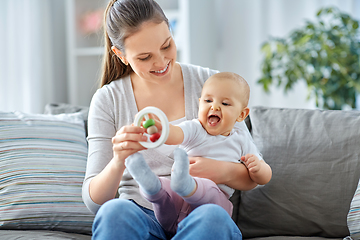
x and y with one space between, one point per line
170 208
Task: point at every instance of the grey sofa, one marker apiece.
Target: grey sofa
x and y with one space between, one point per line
314 154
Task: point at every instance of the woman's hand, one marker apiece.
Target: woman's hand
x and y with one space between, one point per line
234 175
126 142
104 186
205 168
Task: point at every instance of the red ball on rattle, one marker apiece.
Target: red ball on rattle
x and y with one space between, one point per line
154 137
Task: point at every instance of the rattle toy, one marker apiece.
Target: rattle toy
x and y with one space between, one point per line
156 139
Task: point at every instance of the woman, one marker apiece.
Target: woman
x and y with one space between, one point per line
140 70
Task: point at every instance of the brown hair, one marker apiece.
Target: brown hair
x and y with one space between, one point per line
121 19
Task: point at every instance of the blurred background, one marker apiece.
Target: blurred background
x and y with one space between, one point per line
50 50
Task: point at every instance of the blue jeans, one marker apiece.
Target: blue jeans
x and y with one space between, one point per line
124 219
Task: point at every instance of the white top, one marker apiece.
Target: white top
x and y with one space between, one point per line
197 142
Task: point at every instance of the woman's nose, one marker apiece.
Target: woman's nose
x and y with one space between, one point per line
160 60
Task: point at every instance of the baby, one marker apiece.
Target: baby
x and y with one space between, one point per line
216 135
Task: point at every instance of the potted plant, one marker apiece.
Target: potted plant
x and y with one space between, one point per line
324 53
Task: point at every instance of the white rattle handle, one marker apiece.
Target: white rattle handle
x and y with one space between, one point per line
144 113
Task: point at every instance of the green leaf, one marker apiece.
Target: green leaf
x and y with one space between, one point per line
355 25
331 46
319 12
266 49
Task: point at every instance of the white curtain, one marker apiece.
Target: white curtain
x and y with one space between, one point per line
244 25
29 61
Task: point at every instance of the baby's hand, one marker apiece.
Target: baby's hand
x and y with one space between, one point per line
252 163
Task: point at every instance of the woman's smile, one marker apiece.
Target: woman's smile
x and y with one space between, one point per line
163 71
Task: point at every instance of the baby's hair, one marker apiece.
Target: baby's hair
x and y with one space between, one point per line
123 18
244 89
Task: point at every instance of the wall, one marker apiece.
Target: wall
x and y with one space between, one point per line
239 27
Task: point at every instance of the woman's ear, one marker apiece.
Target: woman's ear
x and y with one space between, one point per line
119 54
116 51
244 113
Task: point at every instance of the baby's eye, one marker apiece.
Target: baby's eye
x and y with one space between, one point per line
208 100
226 104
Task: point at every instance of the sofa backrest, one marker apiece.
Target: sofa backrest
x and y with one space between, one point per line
315 158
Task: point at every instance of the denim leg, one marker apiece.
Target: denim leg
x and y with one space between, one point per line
124 219
208 221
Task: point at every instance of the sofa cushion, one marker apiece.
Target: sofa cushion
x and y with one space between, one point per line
41 234
293 238
353 218
315 158
59 108
42 167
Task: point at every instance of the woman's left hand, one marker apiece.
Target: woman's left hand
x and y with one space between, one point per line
205 168
234 175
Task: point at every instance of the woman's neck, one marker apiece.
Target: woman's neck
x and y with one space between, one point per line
169 97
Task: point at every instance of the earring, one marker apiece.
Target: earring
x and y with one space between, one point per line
119 55
124 61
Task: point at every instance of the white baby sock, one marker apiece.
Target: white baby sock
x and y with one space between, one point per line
181 181
141 172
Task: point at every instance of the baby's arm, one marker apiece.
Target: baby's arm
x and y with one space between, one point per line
259 171
176 135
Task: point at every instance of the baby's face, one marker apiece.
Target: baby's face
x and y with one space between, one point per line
220 106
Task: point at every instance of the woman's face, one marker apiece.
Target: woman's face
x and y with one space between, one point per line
151 52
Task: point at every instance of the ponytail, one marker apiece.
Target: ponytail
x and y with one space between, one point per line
113 68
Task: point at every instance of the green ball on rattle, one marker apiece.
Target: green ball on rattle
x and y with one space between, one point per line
148 123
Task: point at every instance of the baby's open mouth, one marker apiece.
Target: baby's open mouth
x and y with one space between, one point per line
213 120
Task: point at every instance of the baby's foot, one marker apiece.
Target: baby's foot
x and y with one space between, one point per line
181 181
141 172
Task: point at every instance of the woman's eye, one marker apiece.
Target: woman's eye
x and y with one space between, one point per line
168 46
145 58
